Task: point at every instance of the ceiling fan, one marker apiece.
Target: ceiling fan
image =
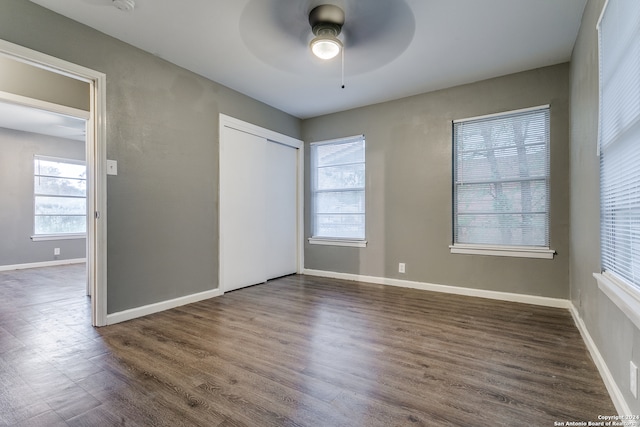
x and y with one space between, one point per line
326 24
285 33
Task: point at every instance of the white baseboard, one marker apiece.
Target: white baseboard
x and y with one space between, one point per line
145 310
481 293
42 264
614 391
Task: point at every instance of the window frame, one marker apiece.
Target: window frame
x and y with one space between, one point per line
56 236
622 292
525 251
329 240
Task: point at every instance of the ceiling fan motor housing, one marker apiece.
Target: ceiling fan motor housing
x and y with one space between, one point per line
326 18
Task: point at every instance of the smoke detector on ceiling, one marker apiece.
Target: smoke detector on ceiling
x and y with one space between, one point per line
125 5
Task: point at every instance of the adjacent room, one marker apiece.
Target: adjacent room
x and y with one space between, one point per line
319 213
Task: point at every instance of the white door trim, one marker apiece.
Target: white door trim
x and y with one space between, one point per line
231 122
96 162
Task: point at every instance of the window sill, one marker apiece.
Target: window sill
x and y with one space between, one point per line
337 242
623 295
507 251
45 237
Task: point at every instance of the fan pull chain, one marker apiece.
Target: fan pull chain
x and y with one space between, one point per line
342 67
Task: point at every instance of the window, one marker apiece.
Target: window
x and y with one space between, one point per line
501 184
619 140
338 191
60 197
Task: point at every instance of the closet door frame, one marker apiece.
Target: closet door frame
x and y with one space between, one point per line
233 123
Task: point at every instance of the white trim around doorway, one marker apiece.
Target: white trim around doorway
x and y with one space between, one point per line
96 162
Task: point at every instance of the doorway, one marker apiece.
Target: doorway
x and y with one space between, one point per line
95 152
43 169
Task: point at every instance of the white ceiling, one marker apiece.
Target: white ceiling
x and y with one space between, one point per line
394 48
27 119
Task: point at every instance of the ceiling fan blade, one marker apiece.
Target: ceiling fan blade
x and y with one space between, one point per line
375 32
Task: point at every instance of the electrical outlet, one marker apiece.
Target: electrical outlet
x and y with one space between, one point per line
401 267
633 379
56 251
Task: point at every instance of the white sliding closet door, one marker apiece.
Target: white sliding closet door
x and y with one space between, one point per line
242 201
281 210
258 209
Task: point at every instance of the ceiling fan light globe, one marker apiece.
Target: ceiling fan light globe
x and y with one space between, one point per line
325 47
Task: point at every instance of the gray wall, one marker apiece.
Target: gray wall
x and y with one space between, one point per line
618 340
162 128
16 188
33 82
409 186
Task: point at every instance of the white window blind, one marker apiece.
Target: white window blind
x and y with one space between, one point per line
619 138
501 179
60 196
338 188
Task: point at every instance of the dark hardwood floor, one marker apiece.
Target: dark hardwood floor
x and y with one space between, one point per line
297 351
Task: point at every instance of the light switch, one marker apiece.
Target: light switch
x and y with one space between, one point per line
112 167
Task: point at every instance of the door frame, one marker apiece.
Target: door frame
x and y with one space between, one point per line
233 123
95 159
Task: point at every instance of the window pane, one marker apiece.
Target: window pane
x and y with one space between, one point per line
340 153
501 179
340 177
59 168
619 37
60 224
339 166
507 229
60 186
527 196
620 206
502 164
619 139
46 205
340 226
340 202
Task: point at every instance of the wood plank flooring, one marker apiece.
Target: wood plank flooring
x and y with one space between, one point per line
297 351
